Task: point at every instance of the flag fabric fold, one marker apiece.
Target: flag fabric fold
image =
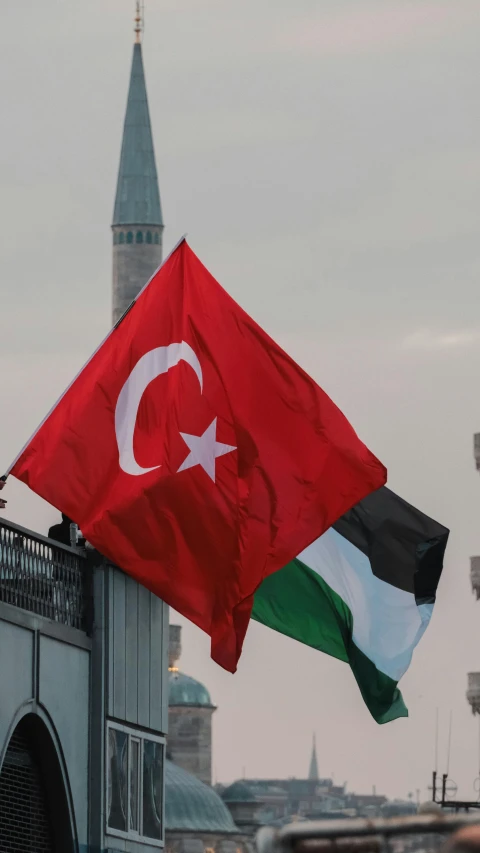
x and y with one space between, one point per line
195 454
363 592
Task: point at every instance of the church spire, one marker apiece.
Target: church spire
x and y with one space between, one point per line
313 771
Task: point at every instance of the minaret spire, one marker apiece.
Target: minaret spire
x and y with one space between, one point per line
137 218
139 21
313 771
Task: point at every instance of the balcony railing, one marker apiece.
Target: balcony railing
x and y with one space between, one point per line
44 577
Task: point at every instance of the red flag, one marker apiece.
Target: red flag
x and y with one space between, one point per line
195 454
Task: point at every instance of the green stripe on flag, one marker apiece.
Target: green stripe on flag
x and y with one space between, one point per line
297 602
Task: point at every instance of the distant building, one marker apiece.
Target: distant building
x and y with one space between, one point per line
365 805
399 808
243 805
197 819
473 689
251 803
274 802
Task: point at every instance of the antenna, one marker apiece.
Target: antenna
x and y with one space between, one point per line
139 21
449 742
479 748
436 740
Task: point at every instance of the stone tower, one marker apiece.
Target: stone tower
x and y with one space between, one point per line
137 218
190 709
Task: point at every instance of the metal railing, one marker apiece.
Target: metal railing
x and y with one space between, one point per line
426 833
44 577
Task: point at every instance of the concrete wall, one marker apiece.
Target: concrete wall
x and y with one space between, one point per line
44 669
189 741
133 265
74 684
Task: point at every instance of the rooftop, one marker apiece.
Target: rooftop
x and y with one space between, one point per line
192 806
238 793
184 690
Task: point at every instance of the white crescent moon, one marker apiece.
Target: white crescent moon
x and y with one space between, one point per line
151 365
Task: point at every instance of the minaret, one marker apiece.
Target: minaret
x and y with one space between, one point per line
190 709
137 218
313 771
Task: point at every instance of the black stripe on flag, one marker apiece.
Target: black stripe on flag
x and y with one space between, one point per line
405 547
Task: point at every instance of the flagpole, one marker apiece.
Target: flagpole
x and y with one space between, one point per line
177 246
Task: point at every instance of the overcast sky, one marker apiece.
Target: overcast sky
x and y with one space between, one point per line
324 158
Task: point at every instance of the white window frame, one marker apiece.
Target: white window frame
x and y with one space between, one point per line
140 736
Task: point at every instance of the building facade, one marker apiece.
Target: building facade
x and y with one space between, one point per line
473 688
83 650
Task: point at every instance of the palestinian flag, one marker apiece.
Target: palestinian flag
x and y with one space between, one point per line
363 593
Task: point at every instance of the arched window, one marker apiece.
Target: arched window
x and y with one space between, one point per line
148 237
155 238
129 237
33 801
139 238
121 237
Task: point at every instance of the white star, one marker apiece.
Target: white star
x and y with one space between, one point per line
204 449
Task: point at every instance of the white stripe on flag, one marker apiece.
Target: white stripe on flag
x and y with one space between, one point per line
387 623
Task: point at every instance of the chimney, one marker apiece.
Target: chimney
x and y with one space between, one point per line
174 646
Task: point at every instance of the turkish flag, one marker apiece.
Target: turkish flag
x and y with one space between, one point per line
195 454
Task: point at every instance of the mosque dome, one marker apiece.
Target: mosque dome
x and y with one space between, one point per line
191 806
239 792
183 690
